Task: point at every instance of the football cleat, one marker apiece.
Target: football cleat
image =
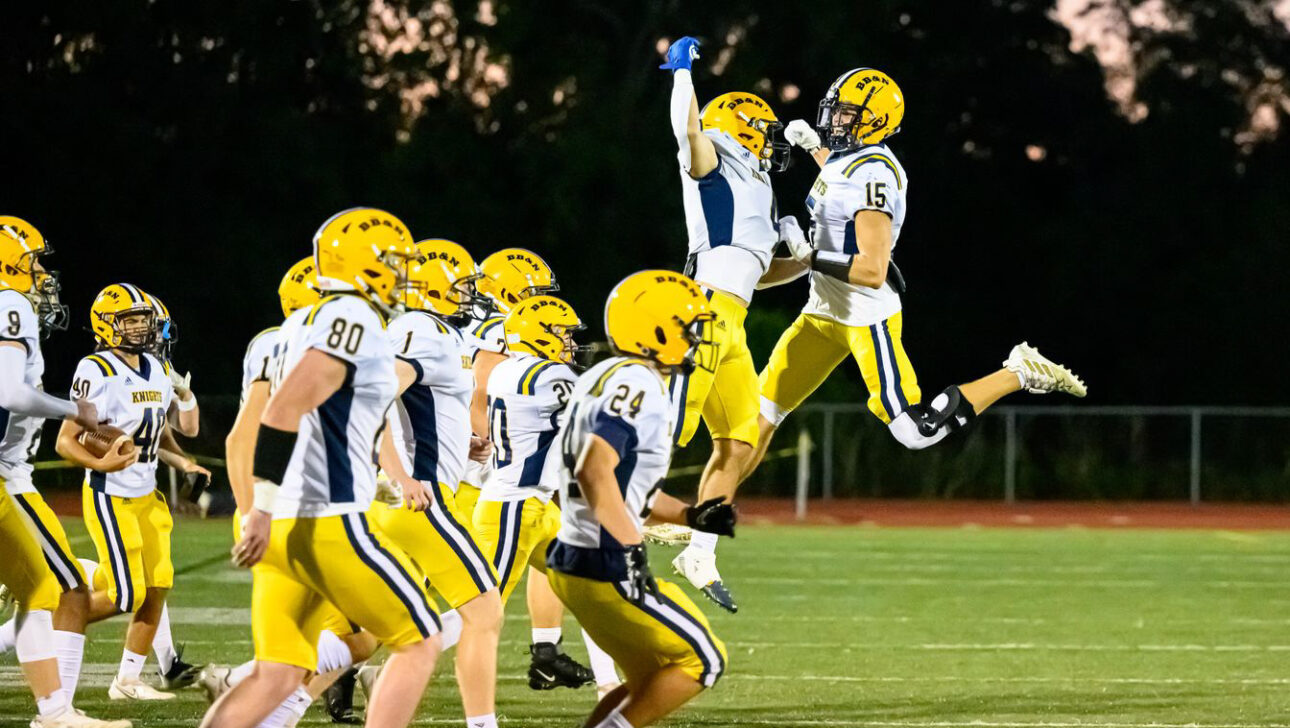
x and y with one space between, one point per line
700 569
181 674
550 668
340 699
74 718
213 680
367 675
1039 375
668 534
136 689
6 600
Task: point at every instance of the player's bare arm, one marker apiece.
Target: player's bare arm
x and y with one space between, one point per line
173 455
480 369
414 493
873 239
68 446
595 474
239 446
781 271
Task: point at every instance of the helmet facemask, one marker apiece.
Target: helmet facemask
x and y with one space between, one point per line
776 154
135 337
571 352
471 304
389 301
703 351
50 310
843 127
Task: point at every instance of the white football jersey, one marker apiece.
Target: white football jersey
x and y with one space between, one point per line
526 395
869 178
730 215
257 364
486 334
624 402
332 470
433 420
134 400
18 323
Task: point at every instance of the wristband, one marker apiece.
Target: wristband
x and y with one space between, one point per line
264 493
834 265
273 448
186 405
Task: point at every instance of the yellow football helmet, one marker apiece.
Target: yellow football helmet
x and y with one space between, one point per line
751 122
299 287
663 316
166 333
365 250
543 325
442 280
122 317
21 247
514 274
863 106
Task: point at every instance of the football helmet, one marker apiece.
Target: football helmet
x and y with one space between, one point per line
863 106
442 280
662 316
21 247
751 122
543 325
122 317
166 335
514 274
299 287
366 250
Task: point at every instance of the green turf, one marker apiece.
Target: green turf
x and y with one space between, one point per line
879 627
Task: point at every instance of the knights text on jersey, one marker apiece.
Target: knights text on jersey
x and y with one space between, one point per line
332 470
134 400
21 433
625 403
433 421
526 395
729 214
257 365
869 178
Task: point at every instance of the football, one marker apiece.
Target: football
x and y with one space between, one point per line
101 441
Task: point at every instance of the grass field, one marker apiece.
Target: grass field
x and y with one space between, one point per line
875 627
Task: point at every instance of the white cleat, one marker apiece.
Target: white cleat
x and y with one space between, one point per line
214 681
367 675
73 718
700 569
1039 375
136 689
668 534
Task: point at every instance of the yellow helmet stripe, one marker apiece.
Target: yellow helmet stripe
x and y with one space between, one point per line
528 382
103 365
875 157
599 387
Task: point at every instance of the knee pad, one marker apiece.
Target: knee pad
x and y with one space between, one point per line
924 425
333 653
773 413
34 635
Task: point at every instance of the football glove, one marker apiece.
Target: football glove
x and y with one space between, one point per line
682 54
895 278
388 491
640 581
181 382
713 516
799 133
791 233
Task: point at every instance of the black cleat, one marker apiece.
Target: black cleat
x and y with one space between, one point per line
340 699
717 592
181 674
550 668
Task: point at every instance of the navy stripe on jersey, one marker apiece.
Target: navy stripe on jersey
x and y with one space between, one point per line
333 420
4 421
531 474
69 577
370 552
849 244
718 203
98 481
418 402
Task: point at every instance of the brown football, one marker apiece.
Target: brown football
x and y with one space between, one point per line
101 441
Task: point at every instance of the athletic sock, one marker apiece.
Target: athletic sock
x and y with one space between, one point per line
53 704
602 665
614 720
162 644
482 721
240 673
286 713
8 636
70 649
702 541
449 629
546 634
131 666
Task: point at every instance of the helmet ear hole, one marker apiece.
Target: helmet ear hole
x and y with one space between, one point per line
660 335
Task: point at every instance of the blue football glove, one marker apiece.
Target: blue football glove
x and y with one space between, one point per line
681 54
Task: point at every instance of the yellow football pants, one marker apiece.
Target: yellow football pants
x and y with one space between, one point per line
22 566
726 398
342 560
52 540
132 538
516 534
465 499
666 630
813 346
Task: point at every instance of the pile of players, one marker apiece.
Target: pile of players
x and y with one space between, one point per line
406 434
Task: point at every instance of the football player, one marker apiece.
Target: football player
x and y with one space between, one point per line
38 562
426 454
726 153
516 518
127 517
857 209
307 535
614 449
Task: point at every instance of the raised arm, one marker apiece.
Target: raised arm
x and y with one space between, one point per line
697 155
